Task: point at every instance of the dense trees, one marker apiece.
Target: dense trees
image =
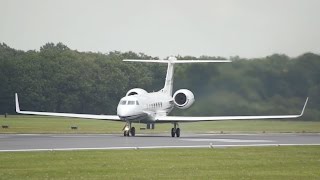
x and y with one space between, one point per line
59 79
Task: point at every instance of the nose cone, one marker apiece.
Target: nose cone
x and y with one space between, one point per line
125 112
122 111
129 109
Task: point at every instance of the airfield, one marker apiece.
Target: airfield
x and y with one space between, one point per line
36 133
56 142
35 147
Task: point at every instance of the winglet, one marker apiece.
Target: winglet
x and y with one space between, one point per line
305 104
17 103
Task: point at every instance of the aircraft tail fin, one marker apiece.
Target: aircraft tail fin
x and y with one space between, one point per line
167 89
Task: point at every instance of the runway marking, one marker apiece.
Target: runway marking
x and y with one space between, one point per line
227 140
155 147
81 136
256 134
58 134
27 134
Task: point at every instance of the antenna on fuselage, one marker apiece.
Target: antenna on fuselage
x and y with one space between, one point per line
168 85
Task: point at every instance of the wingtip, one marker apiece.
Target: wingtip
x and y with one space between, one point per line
304 106
17 103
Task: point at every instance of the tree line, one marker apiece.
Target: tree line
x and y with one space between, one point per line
59 79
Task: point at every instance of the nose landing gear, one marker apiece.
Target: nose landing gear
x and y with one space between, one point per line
175 131
127 130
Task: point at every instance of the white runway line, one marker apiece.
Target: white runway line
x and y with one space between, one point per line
27 134
227 140
81 136
256 134
156 147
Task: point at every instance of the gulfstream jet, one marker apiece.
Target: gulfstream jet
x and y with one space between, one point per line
139 106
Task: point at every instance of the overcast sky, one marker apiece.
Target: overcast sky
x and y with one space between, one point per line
248 28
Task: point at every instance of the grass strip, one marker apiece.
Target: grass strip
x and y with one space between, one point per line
294 162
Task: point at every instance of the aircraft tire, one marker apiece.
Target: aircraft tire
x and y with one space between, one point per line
178 132
126 133
133 131
173 132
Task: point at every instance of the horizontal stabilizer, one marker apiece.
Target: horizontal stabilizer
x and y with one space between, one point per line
171 61
175 61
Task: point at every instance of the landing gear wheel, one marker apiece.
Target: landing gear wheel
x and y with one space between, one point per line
127 129
178 132
133 131
126 133
173 132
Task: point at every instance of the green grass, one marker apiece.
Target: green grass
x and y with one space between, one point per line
39 124
295 162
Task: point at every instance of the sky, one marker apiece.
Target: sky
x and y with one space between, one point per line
245 28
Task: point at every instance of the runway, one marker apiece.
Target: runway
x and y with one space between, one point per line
56 142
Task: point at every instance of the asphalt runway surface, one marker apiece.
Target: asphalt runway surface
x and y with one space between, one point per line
56 142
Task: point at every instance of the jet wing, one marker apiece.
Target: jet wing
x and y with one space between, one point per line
85 116
223 118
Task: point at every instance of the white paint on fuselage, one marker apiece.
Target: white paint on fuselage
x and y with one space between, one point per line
145 107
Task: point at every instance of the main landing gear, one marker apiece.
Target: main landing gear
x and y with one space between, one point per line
175 131
127 130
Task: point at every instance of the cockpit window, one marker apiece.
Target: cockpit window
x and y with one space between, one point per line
137 102
131 102
123 102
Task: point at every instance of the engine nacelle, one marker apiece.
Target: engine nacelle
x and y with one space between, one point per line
135 91
183 98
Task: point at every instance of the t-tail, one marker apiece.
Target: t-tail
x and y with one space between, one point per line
168 85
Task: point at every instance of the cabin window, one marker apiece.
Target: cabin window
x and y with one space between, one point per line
131 102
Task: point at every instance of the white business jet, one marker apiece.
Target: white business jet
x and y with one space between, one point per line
140 106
